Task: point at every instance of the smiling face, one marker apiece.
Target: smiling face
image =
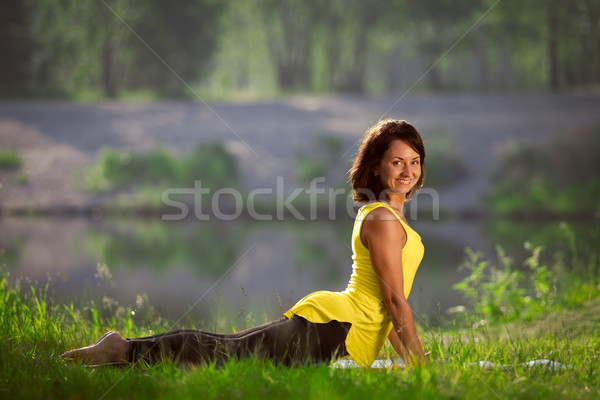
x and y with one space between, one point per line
399 169
386 148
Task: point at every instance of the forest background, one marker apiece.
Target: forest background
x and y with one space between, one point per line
255 48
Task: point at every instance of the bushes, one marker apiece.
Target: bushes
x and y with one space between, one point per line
210 163
560 177
506 292
9 159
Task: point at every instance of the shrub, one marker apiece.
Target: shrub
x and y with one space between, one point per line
504 292
210 163
9 159
558 177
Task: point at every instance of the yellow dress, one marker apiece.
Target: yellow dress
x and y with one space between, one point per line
361 303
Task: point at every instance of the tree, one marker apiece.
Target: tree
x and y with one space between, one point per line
112 45
289 25
15 48
345 27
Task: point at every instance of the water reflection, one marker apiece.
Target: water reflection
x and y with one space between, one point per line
207 249
231 269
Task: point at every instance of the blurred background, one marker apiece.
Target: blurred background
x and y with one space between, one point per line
254 48
106 104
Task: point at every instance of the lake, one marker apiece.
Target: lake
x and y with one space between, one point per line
204 270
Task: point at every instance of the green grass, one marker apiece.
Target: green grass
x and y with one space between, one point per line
35 330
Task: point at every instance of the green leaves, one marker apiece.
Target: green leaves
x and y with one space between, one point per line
559 177
209 163
503 292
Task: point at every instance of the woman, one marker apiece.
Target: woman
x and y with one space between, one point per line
389 169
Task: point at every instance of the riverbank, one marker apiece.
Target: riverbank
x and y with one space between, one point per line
59 141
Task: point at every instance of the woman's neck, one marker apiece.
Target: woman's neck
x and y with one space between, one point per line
397 202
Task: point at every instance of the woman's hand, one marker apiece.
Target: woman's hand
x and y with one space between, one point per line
423 360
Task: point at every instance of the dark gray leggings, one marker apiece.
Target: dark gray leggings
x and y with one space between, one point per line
287 341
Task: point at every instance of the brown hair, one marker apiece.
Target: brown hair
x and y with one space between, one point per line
365 185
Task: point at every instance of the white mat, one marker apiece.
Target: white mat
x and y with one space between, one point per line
397 362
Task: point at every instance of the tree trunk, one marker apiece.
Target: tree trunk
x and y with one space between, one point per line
108 77
391 63
552 21
292 55
482 60
355 78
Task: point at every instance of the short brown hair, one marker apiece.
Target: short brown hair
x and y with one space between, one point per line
365 185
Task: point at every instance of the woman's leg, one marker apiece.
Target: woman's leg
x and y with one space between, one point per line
297 340
246 331
284 340
189 345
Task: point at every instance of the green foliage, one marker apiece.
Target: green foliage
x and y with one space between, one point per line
15 46
494 291
213 165
506 293
240 73
210 163
9 159
560 177
94 49
543 280
100 48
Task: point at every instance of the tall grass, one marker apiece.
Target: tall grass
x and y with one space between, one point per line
506 292
35 330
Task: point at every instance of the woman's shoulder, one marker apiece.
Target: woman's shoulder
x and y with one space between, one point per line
377 210
378 218
373 205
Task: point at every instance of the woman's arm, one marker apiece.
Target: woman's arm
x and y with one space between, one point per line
398 346
383 235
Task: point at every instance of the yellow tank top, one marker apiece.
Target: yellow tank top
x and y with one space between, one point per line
361 303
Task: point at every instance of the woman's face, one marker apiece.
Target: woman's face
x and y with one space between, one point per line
400 168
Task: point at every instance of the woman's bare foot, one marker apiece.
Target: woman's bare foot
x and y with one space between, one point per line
110 348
